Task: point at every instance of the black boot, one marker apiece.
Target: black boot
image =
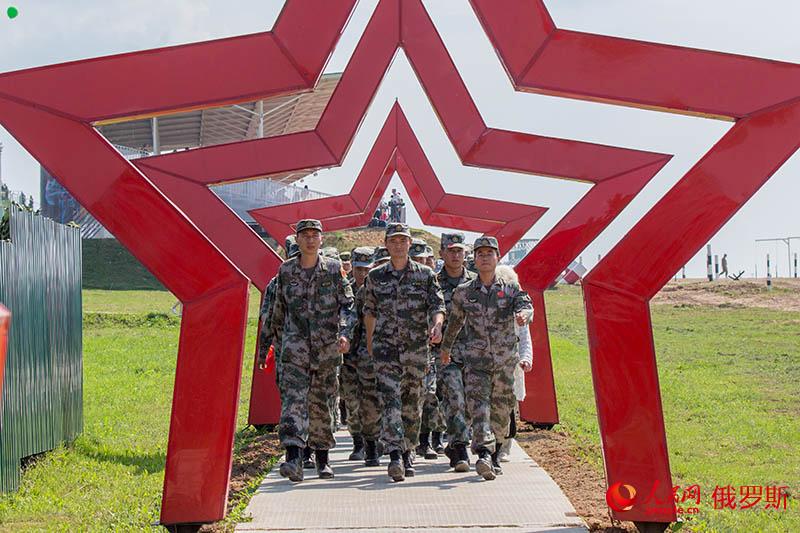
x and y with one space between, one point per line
293 466
358 449
308 461
436 442
483 466
460 458
408 463
324 470
424 449
396 471
371 457
495 463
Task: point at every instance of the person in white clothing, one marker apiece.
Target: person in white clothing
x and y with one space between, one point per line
525 351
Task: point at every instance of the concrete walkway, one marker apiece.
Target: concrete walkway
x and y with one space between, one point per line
436 500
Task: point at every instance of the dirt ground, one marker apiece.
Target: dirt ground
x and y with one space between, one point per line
249 465
784 295
584 486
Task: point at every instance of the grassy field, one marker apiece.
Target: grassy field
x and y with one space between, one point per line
729 381
729 384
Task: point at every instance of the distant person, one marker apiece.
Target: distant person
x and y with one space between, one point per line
724 266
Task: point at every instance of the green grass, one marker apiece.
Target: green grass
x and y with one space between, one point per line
111 477
108 265
729 381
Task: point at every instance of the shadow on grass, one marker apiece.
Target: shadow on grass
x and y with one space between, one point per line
143 462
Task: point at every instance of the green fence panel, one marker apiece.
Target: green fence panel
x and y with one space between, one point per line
42 393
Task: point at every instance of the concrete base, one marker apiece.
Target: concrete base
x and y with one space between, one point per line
436 500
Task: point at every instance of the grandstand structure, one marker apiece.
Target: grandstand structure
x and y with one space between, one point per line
187 130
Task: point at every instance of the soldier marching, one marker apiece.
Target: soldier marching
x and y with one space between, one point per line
423 357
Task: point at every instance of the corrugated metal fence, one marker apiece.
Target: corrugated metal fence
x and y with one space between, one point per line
42 394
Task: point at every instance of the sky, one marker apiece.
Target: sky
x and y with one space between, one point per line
49 32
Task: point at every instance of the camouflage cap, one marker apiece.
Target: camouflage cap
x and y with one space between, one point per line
291 247
362 256
417 248
396 228
454 240
308 223
344 256
428 251
292 250
486 242
331 252
381 253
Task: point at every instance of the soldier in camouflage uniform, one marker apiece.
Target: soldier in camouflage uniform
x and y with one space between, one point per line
312 323
431 417
450 385
265 316
357 376
403 314
488 306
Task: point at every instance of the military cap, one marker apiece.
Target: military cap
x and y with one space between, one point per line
454 240
362 256
486 242
344 256
417 248
290 246
381 253
396 228
330 251
308 223
428 250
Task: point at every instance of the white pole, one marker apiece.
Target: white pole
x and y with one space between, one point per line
156 137
708 263
716 266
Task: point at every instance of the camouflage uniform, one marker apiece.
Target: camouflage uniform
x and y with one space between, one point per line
404 304
265 331
490 351
311 311
359 386
451 377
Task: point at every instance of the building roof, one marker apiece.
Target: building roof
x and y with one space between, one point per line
225 124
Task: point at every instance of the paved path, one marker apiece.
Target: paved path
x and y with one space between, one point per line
436 500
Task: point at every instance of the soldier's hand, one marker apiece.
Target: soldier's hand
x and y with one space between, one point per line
521 318
435 336
344 345
526 366
445 357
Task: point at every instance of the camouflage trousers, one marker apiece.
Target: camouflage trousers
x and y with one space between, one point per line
454 403
490 400
400 389
360 393
306 417
432 419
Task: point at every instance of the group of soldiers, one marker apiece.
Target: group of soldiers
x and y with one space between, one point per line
419 354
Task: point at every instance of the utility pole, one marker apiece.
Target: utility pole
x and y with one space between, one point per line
708 263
